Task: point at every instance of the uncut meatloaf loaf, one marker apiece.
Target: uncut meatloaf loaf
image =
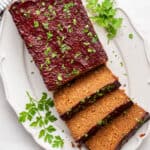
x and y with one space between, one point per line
113 135
87 121
60 38
84 91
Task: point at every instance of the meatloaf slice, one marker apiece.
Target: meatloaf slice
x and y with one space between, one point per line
83 91
87 121
60 38
113 135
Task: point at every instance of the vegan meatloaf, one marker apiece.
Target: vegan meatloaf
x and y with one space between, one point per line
86 122
84 91
113 135
60 38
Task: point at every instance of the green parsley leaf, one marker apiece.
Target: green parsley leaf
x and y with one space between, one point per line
86 43
54 55
23 117
34 124
43 3
75 71
65 47
42 133
51 129
94 39
104 14
69 28
58 142
68 6
36 24
46 52
91 50
50 8
74 21
60 27
59 77
49 35
77 54
37 12
130 36
47 61
45 25
33 115
86 29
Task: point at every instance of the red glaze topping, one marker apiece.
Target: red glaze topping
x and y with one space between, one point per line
60 38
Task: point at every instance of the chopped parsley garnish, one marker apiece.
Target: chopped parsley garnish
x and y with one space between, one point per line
121 64
39 115
75 71
86 29
104 14
86 43
39 38
74 21
82 101
69 28
68 6
41 66
46 52
140 121
47 61
30 45
72 61
65 47
77 54
101 122
59 77
62 37
91 50
50 8
36 24
43 3
125 74
45 25
54 55
37 12
130 36
49 35
60 27
94 39
63 66
90 34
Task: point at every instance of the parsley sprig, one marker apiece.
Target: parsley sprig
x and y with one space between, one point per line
104 15
38 113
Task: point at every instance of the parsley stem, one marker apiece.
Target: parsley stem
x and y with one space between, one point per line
33 101
38 113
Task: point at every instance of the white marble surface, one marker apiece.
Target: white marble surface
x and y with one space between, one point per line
14 137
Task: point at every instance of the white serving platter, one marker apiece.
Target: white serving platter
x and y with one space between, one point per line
16 68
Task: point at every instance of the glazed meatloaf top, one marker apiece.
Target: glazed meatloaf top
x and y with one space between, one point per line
60 38
117 132
84 121
84 88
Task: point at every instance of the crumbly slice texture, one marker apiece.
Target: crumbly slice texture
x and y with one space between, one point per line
82 89
60 38
86 121
116 133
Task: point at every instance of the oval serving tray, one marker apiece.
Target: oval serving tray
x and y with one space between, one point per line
16 68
